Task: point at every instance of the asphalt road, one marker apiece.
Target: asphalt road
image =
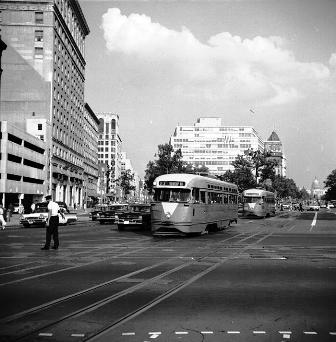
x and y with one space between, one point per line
260 280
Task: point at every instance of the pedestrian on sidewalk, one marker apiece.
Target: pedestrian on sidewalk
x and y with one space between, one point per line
52 224
2 217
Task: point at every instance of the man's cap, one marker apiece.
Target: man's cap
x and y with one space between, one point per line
48 197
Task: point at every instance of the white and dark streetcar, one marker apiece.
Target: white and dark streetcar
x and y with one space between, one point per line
186 204
258 202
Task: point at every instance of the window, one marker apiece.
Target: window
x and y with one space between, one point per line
39 127
38 17
113 124
38 36
38 52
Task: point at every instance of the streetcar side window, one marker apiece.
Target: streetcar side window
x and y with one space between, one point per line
202 198
196 194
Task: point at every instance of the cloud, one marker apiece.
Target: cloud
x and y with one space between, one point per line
224 67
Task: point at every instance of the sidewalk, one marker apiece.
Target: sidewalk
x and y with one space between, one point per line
14 222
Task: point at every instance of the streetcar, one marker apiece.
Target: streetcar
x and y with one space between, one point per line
258 202
189 204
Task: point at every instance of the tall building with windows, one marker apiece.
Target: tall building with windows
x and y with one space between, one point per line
275 147
43 86
90 181
109 153
213 145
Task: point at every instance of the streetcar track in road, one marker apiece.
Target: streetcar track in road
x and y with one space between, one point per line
169 293
101 253
98 304
60 300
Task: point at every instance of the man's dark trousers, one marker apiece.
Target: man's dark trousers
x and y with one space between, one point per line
52 230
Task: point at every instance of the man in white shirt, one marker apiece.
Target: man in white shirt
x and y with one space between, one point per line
2 217
52 224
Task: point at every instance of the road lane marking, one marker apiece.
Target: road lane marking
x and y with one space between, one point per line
233 332
181 333
128 334
332 333
206 332
154 334
77 335
313 224
259 332
292 227
310 332
46 334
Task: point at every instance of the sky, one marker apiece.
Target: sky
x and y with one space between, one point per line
158 64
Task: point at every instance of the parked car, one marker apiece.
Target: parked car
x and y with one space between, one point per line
40 215
313 207
96 209
136 215
108 215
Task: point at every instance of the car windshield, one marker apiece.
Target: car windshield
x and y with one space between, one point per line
142 209
172 195
41 210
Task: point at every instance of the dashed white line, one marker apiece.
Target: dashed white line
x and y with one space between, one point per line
206 332
77 335
332 333
128 334
259 332
285 332
154 334
46 334
313 224
310 332
233 332
181 333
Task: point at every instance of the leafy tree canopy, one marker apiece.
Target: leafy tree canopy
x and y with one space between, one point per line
125 181
330 183
168 161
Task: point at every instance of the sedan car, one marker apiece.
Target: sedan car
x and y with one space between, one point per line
109 214
136 215
40 215
313 207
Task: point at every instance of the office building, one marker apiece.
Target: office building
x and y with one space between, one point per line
275 147
208 142
43 87
109 155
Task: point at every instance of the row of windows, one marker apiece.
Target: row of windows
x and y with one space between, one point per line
106 149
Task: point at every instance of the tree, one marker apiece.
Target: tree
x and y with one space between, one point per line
169 161
285 187
125 182
330 183
241 175
303 194
262 164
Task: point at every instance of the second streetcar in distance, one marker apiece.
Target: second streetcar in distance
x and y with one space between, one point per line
258 202
187 203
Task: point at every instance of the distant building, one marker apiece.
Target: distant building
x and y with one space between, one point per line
109 154
43 87
91 125
316 191
126 164
275 147
214 145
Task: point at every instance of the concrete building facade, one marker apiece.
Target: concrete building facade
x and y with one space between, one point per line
213 145
43 86
109 156
90 181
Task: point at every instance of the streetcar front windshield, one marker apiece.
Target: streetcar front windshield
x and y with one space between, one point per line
172 195
252 199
